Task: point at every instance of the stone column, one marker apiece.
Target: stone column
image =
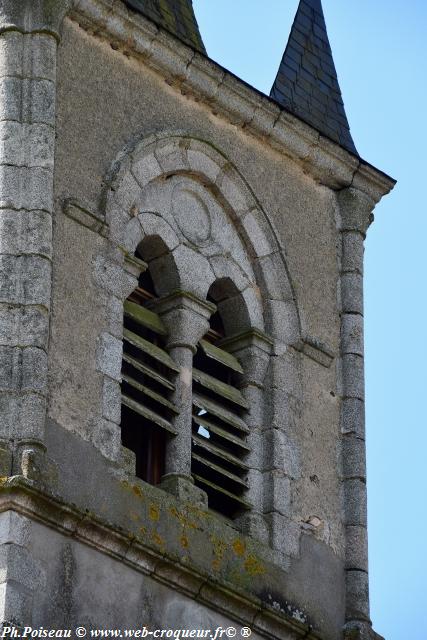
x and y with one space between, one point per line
356 214
187 319
29 34
252 348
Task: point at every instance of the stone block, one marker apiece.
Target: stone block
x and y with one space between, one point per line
201 164
111 277
353 377
10 98
357 591
27 145
25 232
26 188
236 198
22 415
353 417
109 356
11 54
255 493
355 502
155 226
113 309
356 548
15 528
352 293
282 321
352 334
41 108
41 63
255 440
284 534
255 417
280 453
354 458
183 488
352 252
285 375
23 326
106 437
277 492
259 235
145 169
203 78
271 272
111 400
25 280
23 369
15 603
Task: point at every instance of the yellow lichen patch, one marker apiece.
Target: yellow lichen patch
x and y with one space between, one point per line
157 539
219 549
253 566
137 491
184 541
154 512
182 518
239 547
143 530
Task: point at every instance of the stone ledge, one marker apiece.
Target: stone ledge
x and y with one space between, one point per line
315 350
26 498
82 216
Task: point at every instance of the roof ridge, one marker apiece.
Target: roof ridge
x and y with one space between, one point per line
306 83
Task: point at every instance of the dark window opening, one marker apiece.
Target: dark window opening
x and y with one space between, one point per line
219 445
147 383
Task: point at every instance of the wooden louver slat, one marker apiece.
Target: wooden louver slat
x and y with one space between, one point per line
222 433
144 317
227 359
150 349
147 413
215 408
218 489
220 388
150 393
219 430
148 371
219 452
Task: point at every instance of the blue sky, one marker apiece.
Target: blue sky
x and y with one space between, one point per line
380 52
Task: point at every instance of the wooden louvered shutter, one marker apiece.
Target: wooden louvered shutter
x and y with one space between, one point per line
219 443
147 385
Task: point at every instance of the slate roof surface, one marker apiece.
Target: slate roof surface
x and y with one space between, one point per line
176 16
306 83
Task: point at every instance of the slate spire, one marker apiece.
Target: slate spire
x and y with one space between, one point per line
306 83
176 16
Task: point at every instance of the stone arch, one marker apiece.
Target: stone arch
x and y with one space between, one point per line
220 209
146 169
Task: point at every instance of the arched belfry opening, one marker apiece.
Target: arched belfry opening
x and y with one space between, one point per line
148 374
219 440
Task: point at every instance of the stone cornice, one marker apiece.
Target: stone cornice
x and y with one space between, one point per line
226 95
33 16
25 497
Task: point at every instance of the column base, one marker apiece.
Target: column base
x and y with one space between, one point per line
183 487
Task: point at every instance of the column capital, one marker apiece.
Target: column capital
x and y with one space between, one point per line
186 318
253 349
356 209
33 16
